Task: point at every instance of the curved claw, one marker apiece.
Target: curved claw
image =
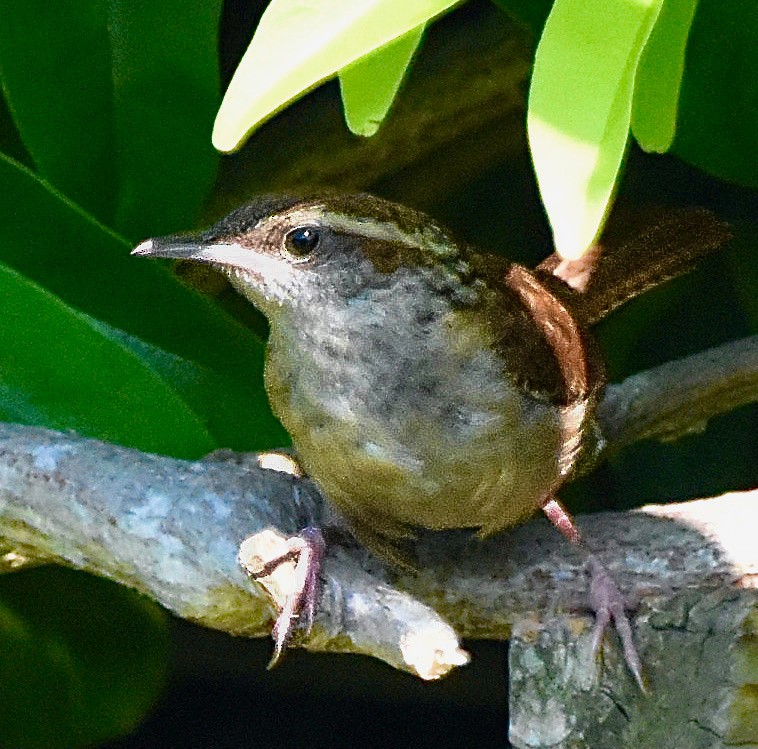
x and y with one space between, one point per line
298 607
606 599
608 604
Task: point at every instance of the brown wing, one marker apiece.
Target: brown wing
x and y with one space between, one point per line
545 350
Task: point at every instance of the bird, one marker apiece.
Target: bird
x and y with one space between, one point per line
426 384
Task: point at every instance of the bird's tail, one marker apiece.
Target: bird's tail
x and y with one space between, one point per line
622 267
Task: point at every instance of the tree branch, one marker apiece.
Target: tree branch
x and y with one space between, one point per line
172 529
678 398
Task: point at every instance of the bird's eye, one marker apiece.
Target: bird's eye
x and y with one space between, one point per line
302 241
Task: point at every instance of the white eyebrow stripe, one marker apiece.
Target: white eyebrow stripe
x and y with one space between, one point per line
431 237
312 215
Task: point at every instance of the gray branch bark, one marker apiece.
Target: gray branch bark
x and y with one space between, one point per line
172 529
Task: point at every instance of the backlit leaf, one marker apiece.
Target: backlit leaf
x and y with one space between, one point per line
300 43
580 105
369 86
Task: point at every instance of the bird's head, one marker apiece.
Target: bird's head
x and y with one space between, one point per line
282 252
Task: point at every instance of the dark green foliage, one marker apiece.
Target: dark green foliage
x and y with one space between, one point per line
718 115
81 659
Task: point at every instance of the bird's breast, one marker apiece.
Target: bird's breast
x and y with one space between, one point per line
419 426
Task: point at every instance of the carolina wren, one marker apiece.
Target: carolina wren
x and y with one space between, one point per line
424 384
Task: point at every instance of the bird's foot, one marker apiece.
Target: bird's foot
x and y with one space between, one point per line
606 598
609 605
290 575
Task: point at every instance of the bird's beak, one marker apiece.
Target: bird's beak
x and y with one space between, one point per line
178 248
190 248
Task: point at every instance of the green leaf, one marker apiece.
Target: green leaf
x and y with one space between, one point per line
81 660
115 105
369 86
579 113
237 418
300 43
659 77
718 104
166 90
56 74
61 248
72 375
